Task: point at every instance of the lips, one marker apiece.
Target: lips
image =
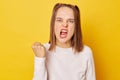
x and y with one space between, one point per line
63 33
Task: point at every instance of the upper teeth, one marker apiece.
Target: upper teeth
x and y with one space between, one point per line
64 30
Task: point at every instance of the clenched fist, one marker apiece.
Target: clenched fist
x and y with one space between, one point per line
39 50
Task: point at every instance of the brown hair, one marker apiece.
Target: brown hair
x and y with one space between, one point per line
76 40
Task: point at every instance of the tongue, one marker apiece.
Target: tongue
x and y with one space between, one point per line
63 34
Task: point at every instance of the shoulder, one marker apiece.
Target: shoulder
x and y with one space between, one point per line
86 48
46 45
87 51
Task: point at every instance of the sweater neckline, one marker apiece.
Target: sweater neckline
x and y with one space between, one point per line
62 48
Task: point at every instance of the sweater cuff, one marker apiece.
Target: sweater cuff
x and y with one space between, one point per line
39 63
39 59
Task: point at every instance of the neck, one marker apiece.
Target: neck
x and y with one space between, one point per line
64 45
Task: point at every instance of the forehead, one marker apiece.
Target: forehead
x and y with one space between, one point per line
65 12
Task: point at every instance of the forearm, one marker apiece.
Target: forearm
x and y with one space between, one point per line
40 72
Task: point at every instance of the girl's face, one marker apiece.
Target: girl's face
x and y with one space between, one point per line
64 25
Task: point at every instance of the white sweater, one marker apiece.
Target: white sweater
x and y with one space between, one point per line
63 64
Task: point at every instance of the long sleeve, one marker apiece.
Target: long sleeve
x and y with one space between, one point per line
40 72
90 75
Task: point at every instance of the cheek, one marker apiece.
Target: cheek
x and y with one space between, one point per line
71 31
57 30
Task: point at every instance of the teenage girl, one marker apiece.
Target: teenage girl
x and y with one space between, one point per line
65 57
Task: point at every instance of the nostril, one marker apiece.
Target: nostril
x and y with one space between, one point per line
65 25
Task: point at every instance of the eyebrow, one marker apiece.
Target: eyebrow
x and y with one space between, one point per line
68 19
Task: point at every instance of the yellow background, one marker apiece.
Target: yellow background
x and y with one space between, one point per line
22 22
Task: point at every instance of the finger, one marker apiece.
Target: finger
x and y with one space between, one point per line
36 43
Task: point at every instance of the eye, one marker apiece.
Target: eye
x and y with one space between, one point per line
58 20
71 21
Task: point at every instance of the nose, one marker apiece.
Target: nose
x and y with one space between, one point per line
65 23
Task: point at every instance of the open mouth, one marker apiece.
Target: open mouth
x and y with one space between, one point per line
63 33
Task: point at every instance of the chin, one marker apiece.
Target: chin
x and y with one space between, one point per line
63 40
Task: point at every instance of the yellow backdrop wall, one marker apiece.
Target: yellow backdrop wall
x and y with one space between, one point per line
22 22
